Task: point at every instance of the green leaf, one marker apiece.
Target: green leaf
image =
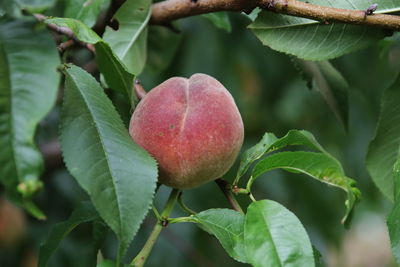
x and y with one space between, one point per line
10 7
324 78
320 166
106 263
13 8
163 45
84 213
227 226
393 220
273 236
86 11
81 31
254 153
270 143
311 40
296 36
27 93
383 149
114 71
129 41
220 20
99 234
119 176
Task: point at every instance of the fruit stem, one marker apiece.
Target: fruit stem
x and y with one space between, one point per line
226 189
139 90
141 258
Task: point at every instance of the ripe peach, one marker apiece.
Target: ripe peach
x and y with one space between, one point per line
192 127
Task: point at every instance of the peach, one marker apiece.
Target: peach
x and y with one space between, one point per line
192 127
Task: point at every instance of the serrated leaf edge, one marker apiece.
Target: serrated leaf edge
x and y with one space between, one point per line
154 161
199 221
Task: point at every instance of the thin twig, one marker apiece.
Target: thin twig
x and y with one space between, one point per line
65 45
330 14
104 20
55 28
182 246
226 189
141 258
169 10
66 32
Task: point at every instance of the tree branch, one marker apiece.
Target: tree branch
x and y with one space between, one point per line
168 10
106 18
60 30
142 256
330 14
226 189
66 32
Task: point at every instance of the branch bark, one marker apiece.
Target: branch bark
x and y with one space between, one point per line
61 30
105 20
66 32
168 10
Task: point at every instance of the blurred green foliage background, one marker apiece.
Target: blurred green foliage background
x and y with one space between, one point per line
272 97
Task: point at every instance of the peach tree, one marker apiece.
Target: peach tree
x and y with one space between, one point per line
121 143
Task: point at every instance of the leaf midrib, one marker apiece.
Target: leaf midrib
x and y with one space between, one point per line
309 174
218 226
272 240
345 187
104 150
138 32
119 72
